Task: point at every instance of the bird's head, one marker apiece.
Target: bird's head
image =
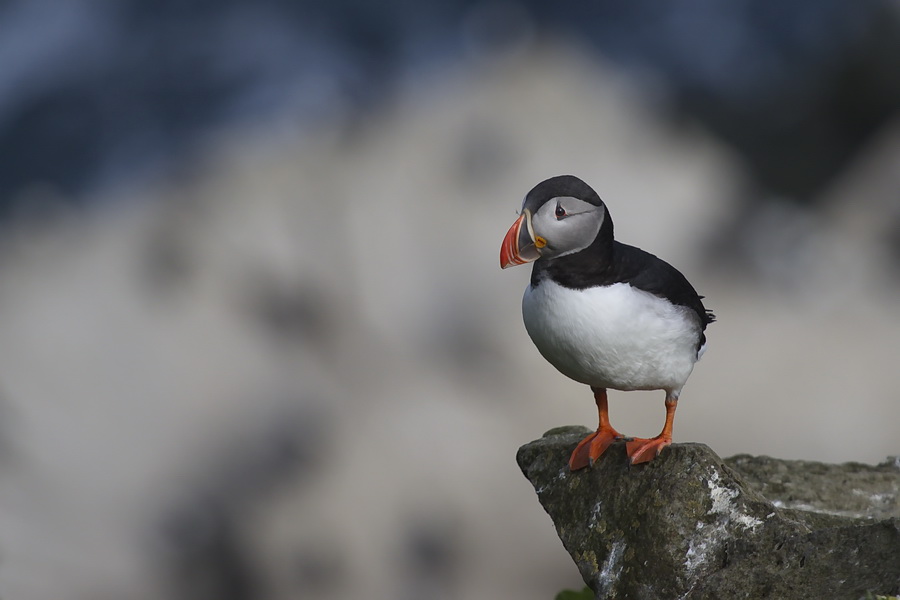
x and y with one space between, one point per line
559 216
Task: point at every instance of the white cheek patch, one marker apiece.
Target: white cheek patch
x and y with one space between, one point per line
571 234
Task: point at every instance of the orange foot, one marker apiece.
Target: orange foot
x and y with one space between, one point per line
590 448
642 450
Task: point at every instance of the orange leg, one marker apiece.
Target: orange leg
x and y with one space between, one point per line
641 450
591 447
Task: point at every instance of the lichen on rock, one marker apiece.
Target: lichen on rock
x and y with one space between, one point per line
692 525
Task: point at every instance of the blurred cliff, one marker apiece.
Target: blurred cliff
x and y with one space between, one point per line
255 342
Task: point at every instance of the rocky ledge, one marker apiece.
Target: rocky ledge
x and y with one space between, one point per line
692 525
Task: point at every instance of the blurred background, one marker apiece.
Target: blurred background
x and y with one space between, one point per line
254 339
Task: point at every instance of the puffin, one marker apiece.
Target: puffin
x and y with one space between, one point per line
604 313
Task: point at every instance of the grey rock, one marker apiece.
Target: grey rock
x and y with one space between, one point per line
692 525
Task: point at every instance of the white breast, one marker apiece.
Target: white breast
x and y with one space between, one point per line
614 336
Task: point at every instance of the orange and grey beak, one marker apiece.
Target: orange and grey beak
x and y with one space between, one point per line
519 246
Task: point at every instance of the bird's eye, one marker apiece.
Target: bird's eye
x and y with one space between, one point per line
560 211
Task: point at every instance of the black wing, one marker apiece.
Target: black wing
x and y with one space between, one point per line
606 264
654 275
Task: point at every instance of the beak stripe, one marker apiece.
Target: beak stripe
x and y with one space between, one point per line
511 253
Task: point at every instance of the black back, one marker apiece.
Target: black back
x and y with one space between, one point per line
607 261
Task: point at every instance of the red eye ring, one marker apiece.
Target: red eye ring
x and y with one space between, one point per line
560 211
